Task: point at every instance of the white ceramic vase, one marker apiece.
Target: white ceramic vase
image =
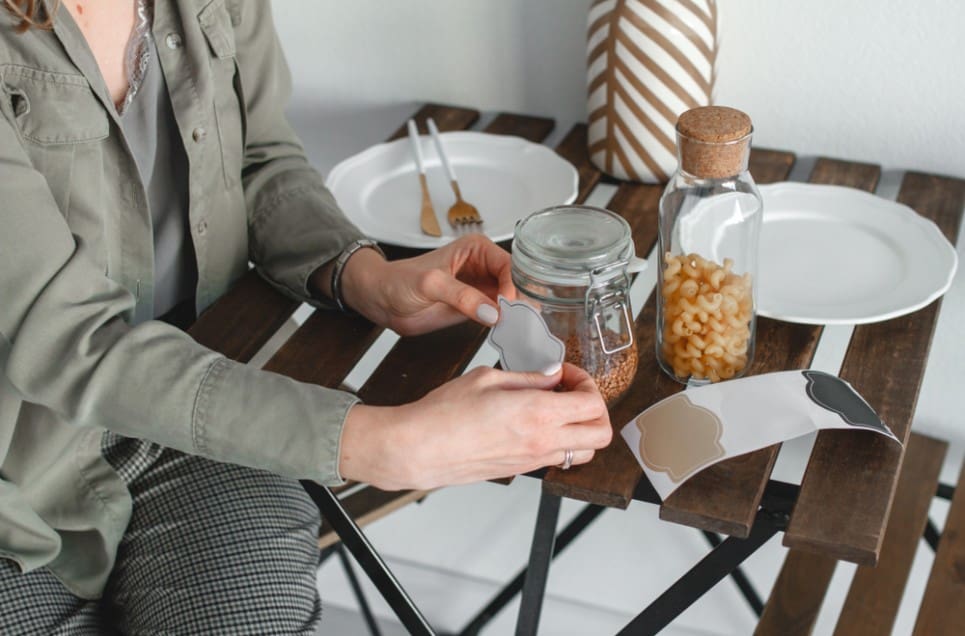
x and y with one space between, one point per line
647 62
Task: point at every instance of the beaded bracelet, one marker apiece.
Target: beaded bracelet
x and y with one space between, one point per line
340 262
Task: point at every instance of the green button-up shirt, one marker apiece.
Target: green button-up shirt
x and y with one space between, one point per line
76 259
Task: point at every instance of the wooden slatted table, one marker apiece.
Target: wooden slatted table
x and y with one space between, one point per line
842 507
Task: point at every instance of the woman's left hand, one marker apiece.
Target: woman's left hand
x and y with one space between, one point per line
430 291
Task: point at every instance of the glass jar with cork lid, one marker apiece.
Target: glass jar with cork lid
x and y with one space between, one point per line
710 223
573 264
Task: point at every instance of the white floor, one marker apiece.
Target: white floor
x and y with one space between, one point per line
456 549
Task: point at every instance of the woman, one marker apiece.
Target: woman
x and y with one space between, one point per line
144 160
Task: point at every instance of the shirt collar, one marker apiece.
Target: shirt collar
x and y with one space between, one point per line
80 54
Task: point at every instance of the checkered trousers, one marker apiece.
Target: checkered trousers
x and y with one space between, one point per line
211 549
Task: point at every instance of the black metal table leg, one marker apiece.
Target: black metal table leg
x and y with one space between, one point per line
932 535
366 556
541 552
945 491
701 578
353 580
504 596
743 583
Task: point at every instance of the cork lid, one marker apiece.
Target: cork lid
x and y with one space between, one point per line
714 124
714 141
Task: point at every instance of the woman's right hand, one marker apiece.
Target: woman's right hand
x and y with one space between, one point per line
483 425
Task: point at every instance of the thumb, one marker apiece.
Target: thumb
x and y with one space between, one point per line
544 379
465 299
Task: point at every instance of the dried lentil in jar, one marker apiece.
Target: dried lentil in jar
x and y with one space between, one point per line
573 263
612 373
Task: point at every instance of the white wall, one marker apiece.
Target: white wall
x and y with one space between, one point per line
872 80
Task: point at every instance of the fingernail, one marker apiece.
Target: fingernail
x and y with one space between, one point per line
552 369
487 314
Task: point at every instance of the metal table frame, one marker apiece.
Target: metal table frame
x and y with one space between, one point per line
724 559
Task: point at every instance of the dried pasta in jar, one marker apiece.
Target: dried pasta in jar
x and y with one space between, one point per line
707 318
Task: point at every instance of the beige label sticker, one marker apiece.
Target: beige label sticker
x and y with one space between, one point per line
677 437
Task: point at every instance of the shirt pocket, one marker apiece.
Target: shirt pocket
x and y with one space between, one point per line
64 128
216 24
53 109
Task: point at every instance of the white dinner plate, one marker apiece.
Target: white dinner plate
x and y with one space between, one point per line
506 178
836 255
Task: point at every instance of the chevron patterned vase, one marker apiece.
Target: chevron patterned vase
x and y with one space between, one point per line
647 62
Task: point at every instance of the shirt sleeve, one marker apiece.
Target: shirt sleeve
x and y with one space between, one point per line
295 225
67 348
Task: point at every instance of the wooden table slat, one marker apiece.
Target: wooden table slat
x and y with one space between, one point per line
526 126
417 364
885 363
611 478
864 176
243 319
875 594
770 166
796 598
943 606
447 118
325 348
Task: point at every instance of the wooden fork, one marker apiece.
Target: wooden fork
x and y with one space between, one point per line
461 214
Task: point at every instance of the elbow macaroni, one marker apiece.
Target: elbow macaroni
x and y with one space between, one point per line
707 311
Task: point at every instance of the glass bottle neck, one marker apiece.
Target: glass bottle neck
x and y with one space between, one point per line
692 179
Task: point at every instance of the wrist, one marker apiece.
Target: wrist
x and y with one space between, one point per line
329 280
370 447
358 251
359 284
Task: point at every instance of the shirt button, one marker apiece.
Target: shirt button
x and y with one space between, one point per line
202 228
173 40
198 134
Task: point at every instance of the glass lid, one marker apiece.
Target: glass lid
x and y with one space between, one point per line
567 243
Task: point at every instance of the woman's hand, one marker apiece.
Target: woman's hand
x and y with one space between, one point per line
430 291
483 425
